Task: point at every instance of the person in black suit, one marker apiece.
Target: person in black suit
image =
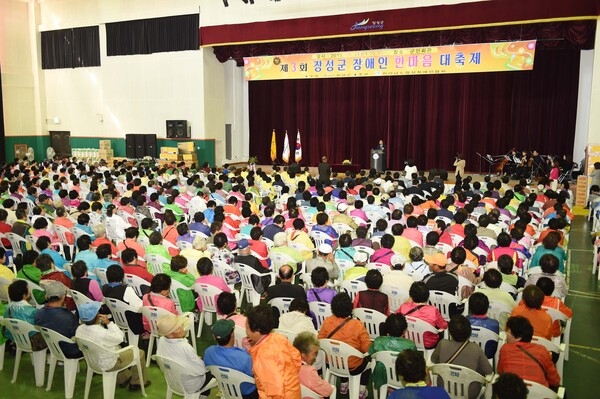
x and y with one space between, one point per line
324 171
286 288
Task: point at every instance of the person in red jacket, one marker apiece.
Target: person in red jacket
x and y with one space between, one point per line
529 361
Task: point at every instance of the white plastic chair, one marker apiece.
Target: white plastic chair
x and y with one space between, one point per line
32 288
117 309
92 352
481 336
382 267
246 273
371 319
282 304
337 354
230 381
289 335
306 393
554 348
565 322
100 272
456 379
342 228
174 290
279 259
442 300
174 372
16 241
416 329
537 391
136 283
321 238
153 314
239 333
388 360
4 283
396 296
321 310
353 287
20 331
499 311
78 297
71 366
208 297
156 262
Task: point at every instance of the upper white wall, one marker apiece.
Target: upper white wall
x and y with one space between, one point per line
126 94
17 75
58 14
213 12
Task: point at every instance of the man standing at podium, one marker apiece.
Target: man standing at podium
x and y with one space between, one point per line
324 171
381 148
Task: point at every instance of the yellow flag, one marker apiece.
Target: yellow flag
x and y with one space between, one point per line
273 147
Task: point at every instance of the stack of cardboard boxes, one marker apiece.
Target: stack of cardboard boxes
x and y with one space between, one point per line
185 151
168 154
105 152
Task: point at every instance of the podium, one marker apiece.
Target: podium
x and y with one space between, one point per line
378 160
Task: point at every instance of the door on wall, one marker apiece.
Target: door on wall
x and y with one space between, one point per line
61 142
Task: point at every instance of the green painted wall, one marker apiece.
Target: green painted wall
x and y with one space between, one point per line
205 149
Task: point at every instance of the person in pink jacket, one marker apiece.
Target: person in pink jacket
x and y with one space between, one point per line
158 296
308 345
418 306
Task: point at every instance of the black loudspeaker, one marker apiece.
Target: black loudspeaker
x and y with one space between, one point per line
141 145
178 130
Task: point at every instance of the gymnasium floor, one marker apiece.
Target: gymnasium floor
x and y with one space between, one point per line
581 371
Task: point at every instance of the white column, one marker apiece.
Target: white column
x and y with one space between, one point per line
39 97
593 132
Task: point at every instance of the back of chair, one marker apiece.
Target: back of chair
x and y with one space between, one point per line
321 310
337 354
396 296
78 297
117 309
282 304
174 291
498 311
153 314
353 287
388 360
136 283
537 391
442 300
416 331
155 263
306 393
93 353
456 379
20 331
382 267
53 339
239 334
173 372
484 337
290 335
371 319
100 272
208 296
4 283
230 381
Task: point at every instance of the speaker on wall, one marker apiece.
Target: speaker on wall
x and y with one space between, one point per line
141 145
178 129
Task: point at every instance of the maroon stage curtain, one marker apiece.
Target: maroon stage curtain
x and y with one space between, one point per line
428 118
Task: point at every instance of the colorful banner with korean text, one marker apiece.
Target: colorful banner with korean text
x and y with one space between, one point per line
464 58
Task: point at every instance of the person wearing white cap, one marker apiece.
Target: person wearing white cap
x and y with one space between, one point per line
324 259
342 217
174 345
100 329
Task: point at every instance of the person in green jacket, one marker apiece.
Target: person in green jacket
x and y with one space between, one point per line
29 271
180 273
156 248
390 340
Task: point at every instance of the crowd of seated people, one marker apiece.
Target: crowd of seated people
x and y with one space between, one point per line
175 224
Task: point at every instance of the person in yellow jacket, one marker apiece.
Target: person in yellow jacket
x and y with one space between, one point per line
275 362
